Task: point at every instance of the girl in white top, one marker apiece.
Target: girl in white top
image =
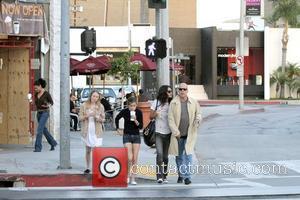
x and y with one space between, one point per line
92 116
159 112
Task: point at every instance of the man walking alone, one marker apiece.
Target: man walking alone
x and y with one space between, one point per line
184 119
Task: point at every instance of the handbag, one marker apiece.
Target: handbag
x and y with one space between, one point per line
149 132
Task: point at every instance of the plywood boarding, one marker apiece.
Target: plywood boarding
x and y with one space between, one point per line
3 96
18 88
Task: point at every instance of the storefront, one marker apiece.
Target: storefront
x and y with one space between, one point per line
219 74
21 26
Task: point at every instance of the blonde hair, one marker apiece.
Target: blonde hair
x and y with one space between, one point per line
89 101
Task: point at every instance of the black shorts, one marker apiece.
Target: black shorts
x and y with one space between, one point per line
134 139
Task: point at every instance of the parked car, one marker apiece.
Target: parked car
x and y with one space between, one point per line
108 93
128 89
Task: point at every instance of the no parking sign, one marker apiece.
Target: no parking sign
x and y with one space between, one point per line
239 60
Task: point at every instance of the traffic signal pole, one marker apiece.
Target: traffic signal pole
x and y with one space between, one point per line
158 35
165 69
162 31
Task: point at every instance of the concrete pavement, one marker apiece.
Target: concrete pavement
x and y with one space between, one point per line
261 136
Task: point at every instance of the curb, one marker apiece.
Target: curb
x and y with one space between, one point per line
250 102
52 180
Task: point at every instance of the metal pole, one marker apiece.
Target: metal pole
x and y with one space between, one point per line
158 35
173 67
129 31
105 12
64 88
129 35
165 68
241 53
144 18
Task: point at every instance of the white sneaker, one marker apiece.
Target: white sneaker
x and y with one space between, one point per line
133 182
165 181
159 180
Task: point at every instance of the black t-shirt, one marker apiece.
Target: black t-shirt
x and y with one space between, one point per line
129 126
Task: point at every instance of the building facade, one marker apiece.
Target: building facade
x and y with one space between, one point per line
21 30
219 65
182 14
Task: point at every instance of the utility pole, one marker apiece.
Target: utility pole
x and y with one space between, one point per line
158 35
144 11
162 31
147 78
105 12
65 162
165 75
241 55
129 34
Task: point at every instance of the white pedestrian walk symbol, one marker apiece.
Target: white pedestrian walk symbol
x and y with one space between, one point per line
151 49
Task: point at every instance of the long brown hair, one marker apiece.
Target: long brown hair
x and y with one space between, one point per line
89 102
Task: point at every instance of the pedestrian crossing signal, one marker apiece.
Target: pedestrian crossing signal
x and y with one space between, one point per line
88 41
156 48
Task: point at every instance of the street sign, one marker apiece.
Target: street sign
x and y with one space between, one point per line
253 7
239 60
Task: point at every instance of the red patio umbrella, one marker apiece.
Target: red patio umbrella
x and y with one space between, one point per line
146 63
90 66
149 65
73 62
105 59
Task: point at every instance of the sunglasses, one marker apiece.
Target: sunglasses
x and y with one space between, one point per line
182 89
169 91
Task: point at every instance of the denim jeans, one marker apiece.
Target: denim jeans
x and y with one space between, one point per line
162 143
42 118
183 161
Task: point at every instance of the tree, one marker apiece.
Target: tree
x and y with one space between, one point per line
287 11
291 78
279 78
293 74
123 68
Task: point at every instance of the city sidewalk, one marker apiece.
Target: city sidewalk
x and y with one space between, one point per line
40 169
21 160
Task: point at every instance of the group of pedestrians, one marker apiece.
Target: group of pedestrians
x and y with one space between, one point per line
176 122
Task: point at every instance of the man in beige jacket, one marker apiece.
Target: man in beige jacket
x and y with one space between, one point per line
184 119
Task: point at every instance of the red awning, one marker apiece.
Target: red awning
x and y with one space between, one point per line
146 63
90 66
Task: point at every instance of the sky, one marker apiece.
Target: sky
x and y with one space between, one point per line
213 12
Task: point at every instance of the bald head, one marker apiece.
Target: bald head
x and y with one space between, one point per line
183 85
